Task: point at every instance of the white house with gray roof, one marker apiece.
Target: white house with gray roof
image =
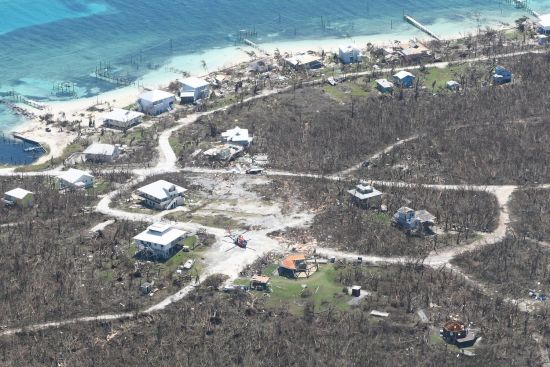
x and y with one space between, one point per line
155 102
20 197
160 240
193 89
162 195
122 119
75 179
98 152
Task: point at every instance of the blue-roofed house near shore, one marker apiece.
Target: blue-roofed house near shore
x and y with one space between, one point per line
404 79
502 75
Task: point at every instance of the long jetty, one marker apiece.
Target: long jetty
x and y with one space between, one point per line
29 140
523 4
420 26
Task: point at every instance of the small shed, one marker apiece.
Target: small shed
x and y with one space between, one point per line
384 85
356 291
146 287
20 197
453 85
350 54
404 79
259 283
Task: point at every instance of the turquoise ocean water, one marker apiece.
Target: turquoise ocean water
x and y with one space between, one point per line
44 42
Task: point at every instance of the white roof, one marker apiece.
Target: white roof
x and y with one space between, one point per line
402 74
544 20
363 192
303 59
18 193
100 149
156 95
160 234
384 83
74 175
118 114
160 189
452 82
195 82
236 135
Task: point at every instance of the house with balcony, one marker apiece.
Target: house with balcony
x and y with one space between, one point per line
160 241
162 195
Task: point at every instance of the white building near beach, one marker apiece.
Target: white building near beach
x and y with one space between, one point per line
155 102
193 89
122 119
75 179
350 54
543 25
160 240
98 152
162 195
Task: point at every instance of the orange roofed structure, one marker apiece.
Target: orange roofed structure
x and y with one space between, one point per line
296 266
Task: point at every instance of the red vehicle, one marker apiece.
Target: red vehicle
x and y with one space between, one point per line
238 240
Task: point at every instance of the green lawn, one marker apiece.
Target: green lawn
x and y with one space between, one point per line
324 288
439 75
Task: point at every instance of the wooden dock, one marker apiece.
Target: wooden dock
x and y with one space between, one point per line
420 26
29 140
523 4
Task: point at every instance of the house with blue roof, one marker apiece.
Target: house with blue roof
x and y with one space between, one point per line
404 79
502 75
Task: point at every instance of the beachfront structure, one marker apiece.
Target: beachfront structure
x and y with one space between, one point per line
75 179
415 54
122 119
420 221
98 152
162 195
404 79
453 85
160 240
502 75
237 136
350 54
543 25
20 197
365 195
305 62
192 89
260 66
384 86
155 102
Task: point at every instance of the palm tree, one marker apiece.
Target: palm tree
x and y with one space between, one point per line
203 64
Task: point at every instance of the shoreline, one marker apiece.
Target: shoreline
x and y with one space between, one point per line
222 58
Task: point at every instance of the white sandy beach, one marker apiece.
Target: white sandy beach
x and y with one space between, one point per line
216 59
